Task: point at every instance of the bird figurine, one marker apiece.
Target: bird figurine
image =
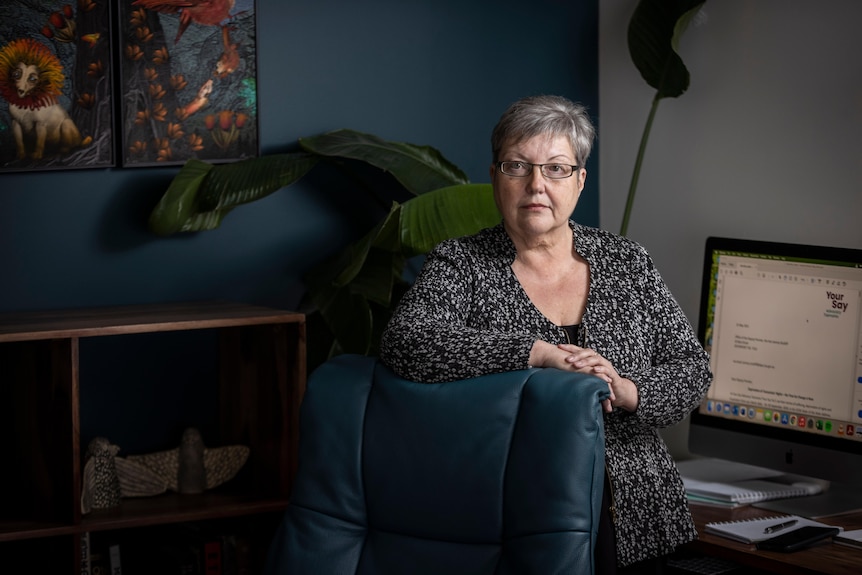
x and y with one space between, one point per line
101 484
190 468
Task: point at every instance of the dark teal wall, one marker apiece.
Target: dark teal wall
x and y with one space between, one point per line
436 72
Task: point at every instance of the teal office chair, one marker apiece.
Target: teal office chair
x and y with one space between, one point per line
500 474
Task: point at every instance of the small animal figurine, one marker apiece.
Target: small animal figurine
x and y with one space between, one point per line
101 484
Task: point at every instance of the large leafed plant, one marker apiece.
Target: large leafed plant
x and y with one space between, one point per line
653 38
355 292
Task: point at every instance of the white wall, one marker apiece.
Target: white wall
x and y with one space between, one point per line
765 144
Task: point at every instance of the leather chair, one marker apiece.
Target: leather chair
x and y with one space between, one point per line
500 474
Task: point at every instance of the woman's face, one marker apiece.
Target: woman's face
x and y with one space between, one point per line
534 205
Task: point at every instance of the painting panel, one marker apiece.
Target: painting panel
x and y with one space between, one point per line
188 81
56 103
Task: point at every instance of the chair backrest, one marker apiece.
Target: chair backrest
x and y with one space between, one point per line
500 474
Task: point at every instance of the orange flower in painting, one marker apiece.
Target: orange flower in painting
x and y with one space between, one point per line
133 52
225 119
95 69
160 112
57 20
175 131
156 91
142 117
150 74
143 34
86 101
86 5
91 39
67 10
138 17
196 142
163 145
229 125
161 56
178 82
63 27
181 114
138 147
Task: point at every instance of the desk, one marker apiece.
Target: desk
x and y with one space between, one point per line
827 558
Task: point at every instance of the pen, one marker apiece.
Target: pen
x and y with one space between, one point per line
779 526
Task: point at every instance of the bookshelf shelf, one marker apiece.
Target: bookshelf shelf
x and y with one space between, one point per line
236 371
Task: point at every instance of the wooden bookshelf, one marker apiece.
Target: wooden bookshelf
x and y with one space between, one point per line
258 361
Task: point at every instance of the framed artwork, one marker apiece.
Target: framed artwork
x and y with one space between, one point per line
56 106
188 81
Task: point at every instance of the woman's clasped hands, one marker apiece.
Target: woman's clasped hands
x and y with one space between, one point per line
624 393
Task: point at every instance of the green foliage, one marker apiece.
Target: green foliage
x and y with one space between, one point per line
419 169
654 33
356 291
201 195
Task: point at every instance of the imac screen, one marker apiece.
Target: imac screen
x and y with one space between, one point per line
783 326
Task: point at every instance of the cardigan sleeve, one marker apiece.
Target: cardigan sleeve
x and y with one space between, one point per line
679 374
438 331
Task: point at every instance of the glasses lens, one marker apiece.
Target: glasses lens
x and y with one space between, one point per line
519 169
557 171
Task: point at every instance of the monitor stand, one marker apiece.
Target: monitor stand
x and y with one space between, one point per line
837 499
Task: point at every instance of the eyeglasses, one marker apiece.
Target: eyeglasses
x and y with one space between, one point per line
524 169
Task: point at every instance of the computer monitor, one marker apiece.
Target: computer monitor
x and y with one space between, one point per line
783 326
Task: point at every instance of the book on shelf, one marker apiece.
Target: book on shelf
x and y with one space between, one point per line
178 549
723 483
86 568
212 557
761 528
114 554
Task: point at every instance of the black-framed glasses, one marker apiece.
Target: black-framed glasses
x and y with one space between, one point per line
524 169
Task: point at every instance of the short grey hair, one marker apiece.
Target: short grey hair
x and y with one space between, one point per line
551 116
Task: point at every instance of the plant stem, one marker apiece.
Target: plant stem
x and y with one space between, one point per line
637 171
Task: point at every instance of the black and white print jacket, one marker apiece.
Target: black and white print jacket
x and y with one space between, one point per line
467 315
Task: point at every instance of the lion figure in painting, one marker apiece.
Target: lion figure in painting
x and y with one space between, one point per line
31 80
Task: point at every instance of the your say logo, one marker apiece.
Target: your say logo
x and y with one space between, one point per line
837 300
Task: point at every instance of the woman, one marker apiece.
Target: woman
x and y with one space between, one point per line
539 290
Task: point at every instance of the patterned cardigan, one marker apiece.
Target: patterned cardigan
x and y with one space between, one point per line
467 315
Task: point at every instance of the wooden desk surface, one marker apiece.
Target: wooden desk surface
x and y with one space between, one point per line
827 558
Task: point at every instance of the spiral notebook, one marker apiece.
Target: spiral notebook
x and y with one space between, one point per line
750 491
753 530
851 538
730 484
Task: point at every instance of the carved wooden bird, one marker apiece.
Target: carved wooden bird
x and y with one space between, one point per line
204 12
190 468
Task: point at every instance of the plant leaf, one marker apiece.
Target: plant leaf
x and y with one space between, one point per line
419 169
178 204
341 270
449 212
202 194
653 39
229 185
370 270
